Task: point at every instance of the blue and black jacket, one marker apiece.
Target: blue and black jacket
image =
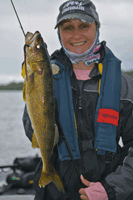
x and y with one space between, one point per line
115 173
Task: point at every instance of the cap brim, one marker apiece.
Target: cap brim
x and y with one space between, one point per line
81 17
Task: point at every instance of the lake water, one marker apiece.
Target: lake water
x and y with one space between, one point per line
13 141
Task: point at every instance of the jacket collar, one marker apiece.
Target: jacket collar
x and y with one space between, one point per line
61 57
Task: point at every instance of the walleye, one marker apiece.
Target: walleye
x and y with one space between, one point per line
38 94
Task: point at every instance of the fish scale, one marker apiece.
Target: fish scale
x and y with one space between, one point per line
38 94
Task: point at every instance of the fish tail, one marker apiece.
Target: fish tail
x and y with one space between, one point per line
58 183
47 178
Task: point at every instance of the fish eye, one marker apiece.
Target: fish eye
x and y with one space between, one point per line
38 46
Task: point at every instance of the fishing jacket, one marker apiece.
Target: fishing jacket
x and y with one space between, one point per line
115 173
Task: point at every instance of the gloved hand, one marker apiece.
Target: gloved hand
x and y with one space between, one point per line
92 191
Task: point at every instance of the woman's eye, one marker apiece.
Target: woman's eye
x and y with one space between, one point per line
67 28
84 26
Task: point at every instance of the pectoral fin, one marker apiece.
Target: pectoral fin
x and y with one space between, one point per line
34 141
24 96
24 85
23 70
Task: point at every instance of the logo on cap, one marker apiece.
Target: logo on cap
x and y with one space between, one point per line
72 5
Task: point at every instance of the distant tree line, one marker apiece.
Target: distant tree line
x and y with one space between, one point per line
130 74
12 86
19 86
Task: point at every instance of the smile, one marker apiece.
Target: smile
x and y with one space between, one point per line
75 44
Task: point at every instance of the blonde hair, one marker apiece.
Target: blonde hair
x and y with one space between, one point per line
61 23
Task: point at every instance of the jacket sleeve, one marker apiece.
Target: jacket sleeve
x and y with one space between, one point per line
119 184
27 124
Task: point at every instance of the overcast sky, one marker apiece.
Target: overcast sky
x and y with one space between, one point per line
116 17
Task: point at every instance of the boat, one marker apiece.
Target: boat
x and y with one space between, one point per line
16 181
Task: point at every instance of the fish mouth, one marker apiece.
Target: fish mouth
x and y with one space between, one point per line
30 37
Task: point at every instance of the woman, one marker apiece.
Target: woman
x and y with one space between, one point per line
94 103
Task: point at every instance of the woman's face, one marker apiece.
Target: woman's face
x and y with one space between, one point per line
77 36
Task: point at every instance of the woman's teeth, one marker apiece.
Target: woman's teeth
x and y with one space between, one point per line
74 44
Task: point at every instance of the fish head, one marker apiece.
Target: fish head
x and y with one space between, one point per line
36 52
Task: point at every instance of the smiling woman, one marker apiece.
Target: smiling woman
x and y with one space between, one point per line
77 36
93 109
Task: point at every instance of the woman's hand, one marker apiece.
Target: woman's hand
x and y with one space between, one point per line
83 195
93 191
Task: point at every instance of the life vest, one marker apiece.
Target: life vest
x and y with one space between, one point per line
107 110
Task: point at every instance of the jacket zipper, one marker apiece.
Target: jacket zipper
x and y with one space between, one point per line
80 102
81 108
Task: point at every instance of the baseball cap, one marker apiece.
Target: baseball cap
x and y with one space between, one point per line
83 10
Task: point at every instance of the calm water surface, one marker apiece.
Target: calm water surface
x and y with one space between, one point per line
13 141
